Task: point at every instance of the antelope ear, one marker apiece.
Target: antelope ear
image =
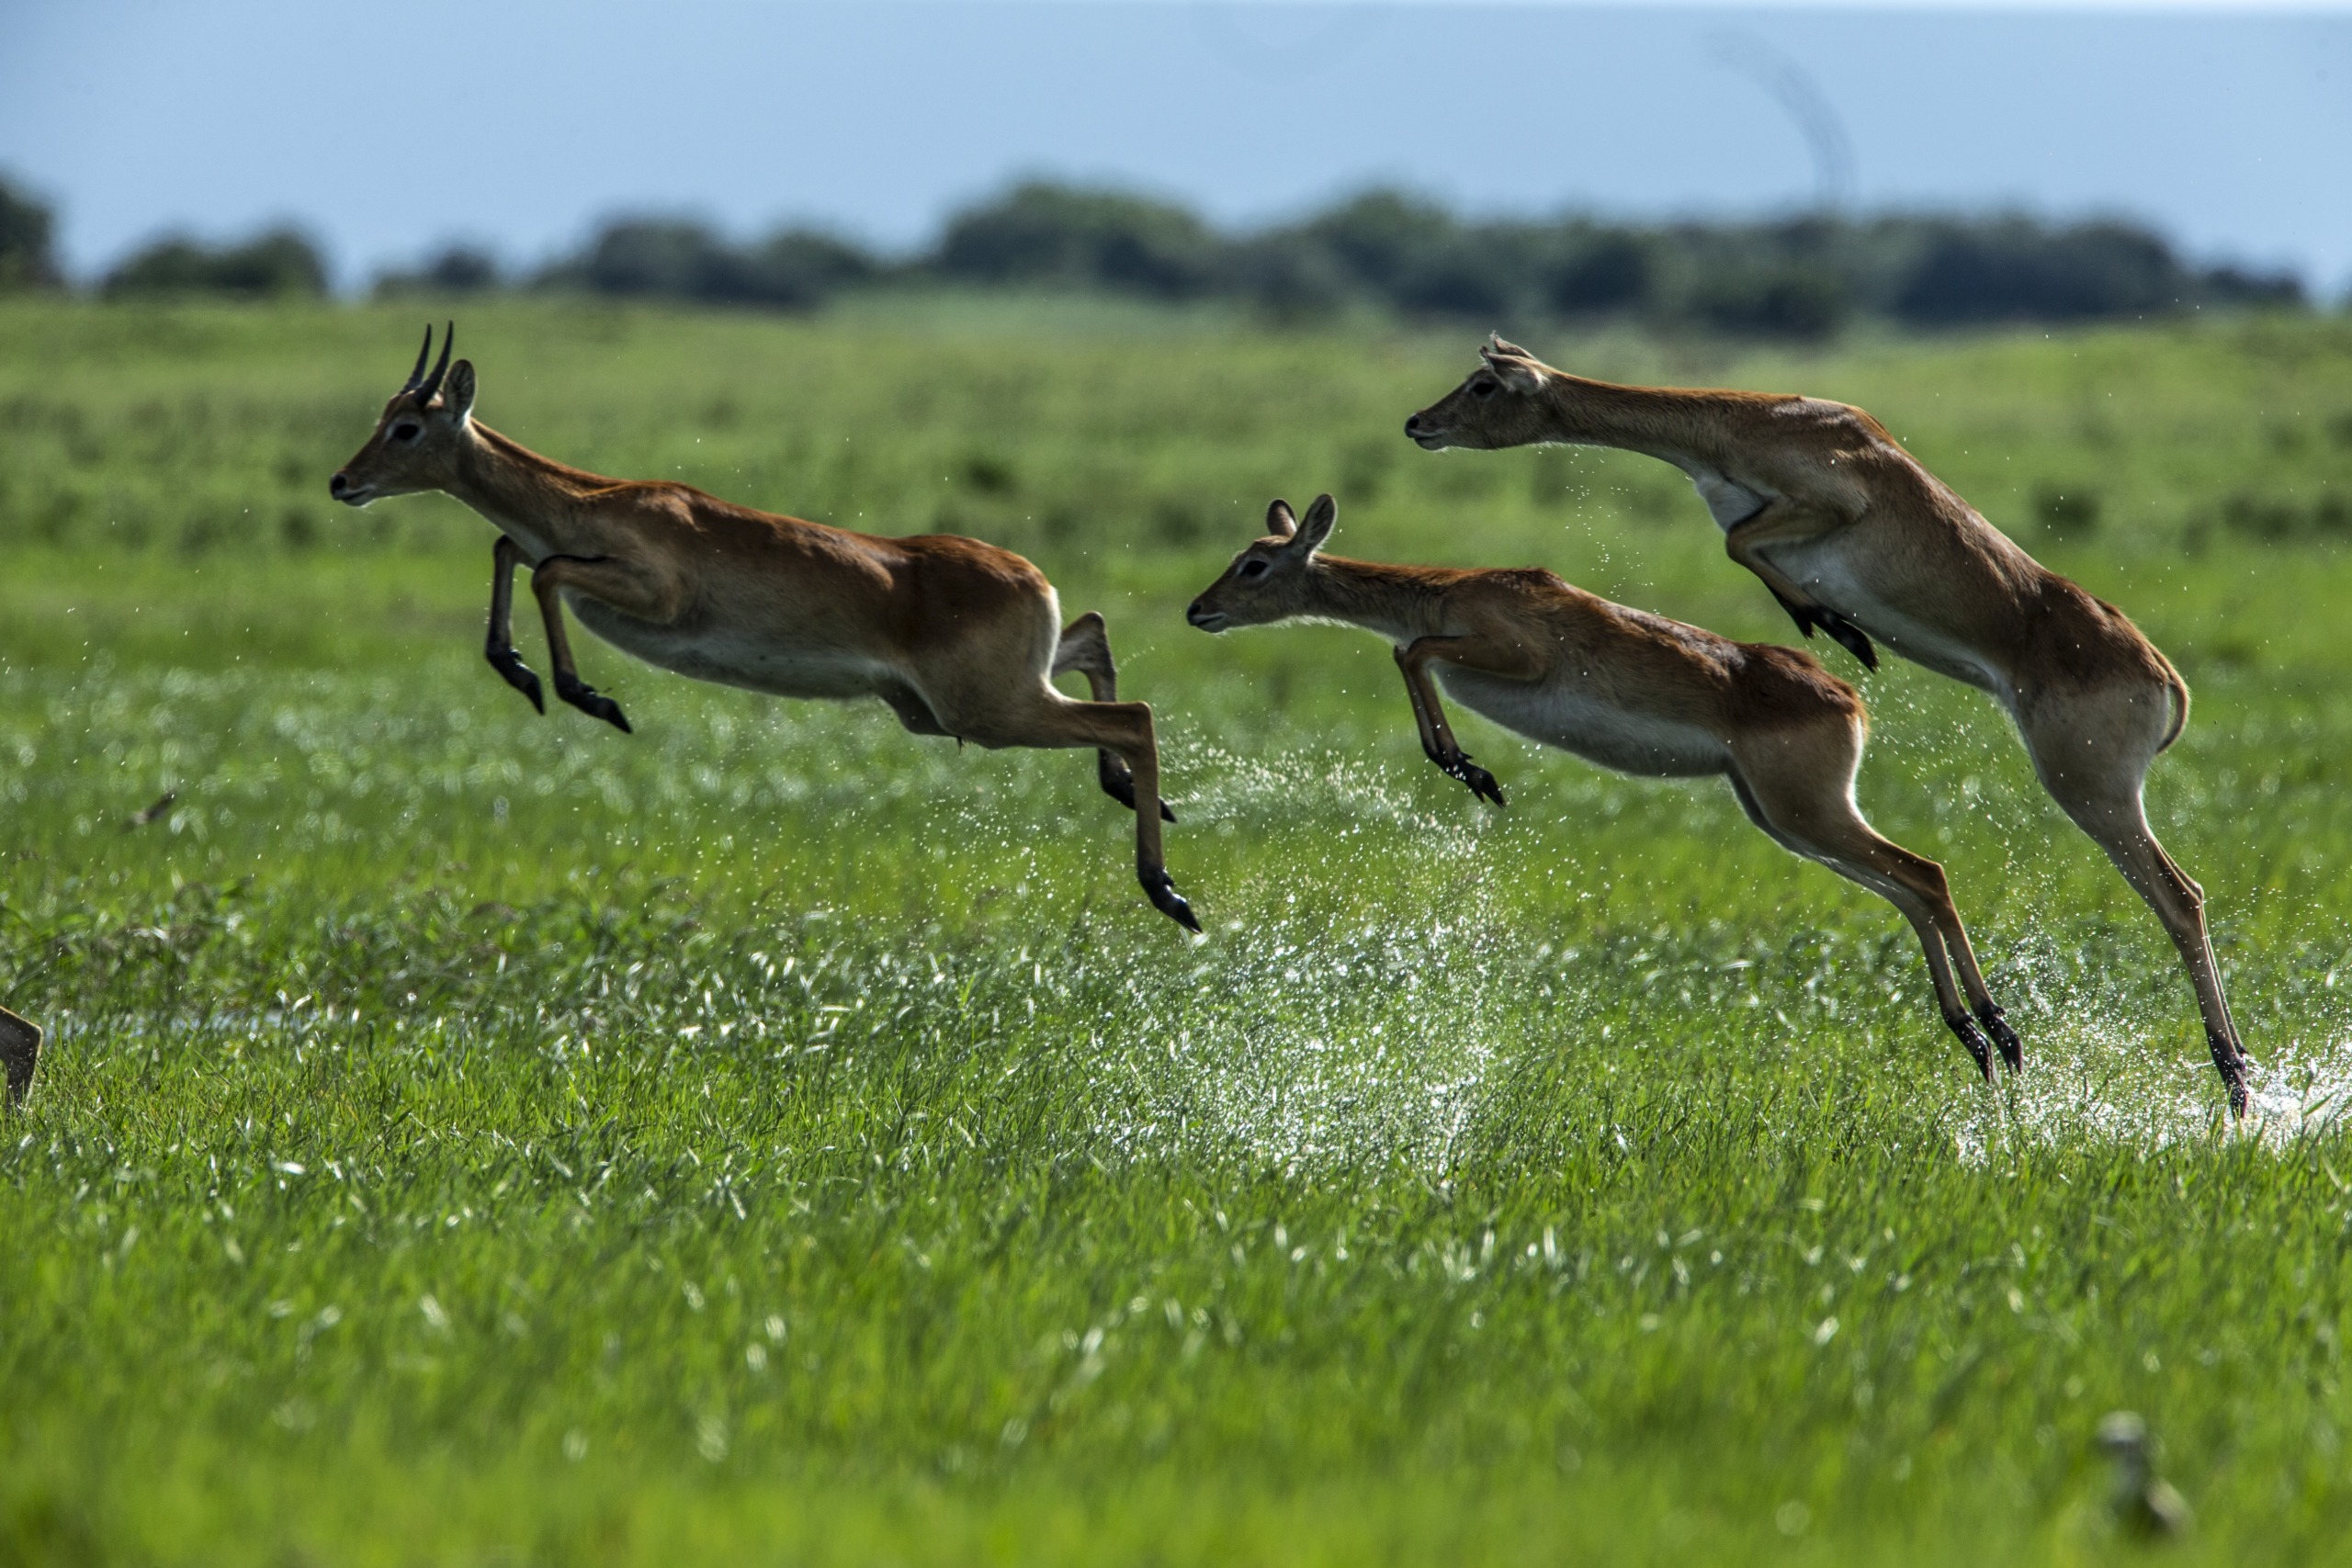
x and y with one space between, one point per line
1317 525
1278 521
1517 368
458 391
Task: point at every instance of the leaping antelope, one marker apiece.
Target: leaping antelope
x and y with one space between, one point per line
958 638
1853 535
1627 689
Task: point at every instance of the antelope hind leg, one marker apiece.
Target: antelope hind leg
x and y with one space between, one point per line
2098 786
1809 810
1085 647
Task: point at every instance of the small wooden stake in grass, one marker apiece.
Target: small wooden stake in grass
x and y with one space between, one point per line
19 1054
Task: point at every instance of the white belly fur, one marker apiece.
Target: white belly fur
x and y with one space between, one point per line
756 664
1599 732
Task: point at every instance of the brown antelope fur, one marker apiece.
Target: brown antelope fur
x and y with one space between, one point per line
1852 535
1629 691
958 638
19 1055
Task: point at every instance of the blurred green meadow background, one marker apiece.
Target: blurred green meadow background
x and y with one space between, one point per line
472 1136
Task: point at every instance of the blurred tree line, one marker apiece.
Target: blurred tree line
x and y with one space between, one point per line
1793 278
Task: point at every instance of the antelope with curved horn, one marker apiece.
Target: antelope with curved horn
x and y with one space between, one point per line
1854 536
956 637
1629 691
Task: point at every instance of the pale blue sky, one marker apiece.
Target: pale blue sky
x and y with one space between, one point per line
388 129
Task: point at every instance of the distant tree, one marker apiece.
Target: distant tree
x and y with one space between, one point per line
800 267
279 262
1381 238
676 257
1599 270
682 259
455 269
27 232
1045 234
1783 300
2234 285
1487 272
2016 269
1289 280
1459 281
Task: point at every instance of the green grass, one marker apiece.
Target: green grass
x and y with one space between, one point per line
468 1136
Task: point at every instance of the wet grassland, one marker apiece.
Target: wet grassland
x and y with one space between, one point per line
467 1135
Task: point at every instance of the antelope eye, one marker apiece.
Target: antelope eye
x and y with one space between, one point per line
1482 389
405 430
1253 568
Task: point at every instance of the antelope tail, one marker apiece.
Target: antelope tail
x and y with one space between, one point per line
2179 691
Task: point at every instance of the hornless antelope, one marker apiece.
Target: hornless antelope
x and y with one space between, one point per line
1627 689
1852 535
958 638
19 1055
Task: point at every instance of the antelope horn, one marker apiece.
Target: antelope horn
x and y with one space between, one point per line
432 383
418 374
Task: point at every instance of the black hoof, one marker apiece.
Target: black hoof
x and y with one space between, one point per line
593 703
1848 636
2234 1064
1480 781
1120 785
519 675
1997 1024
1161 890
1978 1046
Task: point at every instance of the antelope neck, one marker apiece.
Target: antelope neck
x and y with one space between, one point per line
1654 422
530 497
1399 603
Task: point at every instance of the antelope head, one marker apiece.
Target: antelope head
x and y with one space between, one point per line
418 440
1268 582
1500 404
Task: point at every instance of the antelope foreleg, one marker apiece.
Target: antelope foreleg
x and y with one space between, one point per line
499 645
1494 655
624 585
1784 521
1085 647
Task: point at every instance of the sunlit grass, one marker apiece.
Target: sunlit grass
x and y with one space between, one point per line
468 1134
